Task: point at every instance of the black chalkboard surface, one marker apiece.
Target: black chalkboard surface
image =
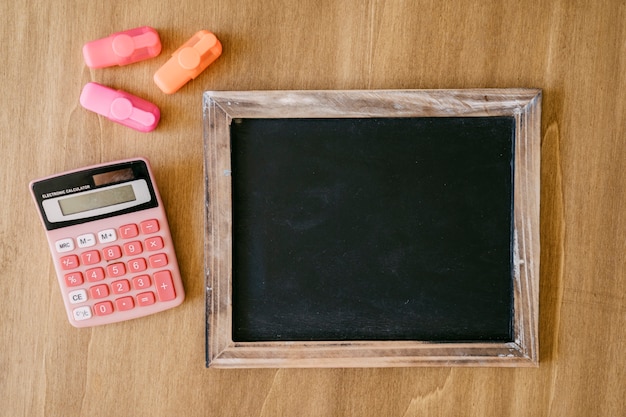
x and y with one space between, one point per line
372 229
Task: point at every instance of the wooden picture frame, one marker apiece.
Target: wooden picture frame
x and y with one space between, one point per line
221 108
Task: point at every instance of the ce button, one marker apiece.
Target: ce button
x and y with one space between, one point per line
78 296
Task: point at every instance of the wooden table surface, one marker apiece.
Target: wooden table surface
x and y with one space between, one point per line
574 50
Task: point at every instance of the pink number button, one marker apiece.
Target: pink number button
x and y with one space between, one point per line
145 299
120 287
133 248
154 243
112 252
129 231
73 279
91 257
141 282
95 274
124 303
69 262
137 265
99 291
164 286
116 270
104 308
149 226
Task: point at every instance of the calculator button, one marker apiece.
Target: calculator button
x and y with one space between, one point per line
145 299
137 265
77 296
128 231
120 287
133 248
116 270
112 252
164 285
94 274
73 279
81 313
64 245
149 226
69 262
99 291
124 303
154 243
90 258
107 236
86 241
103 308
158 261
141 282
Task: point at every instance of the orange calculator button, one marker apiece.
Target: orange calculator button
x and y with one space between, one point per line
99 291
132 248
141 282
129 230
91 257
73 279
145 299
69 262
137 265
124 303
112 252
158 261
95 274
164 285
149 226
116 270
104 308
120 287
154 243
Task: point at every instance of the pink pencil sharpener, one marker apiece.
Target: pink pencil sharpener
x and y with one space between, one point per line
123 48
120 107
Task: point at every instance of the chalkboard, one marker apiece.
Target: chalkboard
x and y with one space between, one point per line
372 229
355 231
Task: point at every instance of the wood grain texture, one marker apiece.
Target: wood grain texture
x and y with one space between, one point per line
574 50
221 108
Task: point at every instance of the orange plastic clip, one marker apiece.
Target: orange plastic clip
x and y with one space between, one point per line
193 57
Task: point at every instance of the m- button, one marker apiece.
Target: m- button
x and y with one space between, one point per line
87 240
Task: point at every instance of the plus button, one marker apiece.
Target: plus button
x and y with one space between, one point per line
164 286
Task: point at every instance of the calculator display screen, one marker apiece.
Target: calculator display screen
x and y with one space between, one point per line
96 200
95 193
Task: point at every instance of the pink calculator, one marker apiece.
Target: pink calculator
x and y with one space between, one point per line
110 242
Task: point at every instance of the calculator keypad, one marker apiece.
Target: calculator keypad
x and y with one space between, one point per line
115 270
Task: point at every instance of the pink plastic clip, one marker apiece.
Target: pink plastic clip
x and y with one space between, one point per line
123 48
188 61
120 107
